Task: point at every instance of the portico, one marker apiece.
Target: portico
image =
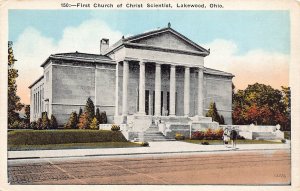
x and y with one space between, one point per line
165 103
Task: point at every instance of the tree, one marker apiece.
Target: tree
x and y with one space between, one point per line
79 114
262 105
39 123
213 113
14 103
72 122
89 109
98 116
27 114
103 117
45 121
53 122
94 124
83 121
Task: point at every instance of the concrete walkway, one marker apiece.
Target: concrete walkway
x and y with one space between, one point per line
166 147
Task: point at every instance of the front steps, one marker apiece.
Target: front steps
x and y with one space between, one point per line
152 134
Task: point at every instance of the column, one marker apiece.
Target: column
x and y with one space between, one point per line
117 91
125 88
157 90
172 90
200 92
186 91
142 89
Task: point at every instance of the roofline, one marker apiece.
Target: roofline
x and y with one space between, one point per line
224 73
81 59
138 36
36 81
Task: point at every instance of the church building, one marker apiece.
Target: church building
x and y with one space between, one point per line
157 74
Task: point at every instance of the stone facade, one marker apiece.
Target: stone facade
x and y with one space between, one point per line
124 80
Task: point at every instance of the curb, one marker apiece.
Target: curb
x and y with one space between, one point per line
141 154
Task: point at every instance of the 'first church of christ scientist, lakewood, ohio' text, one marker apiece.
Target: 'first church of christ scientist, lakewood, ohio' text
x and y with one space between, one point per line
154 75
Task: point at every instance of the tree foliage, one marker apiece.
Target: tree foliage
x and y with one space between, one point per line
262 105
53 122
45 121
94 124
98 116
27 114
214 114
14 103
72 122
83 122
89 109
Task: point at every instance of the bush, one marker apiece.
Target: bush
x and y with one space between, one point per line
45 121
94 124
198 135
44 137
115 127
72 122
283 140
179 136
103 117
145 144
39 123
53 123
84 122
33 125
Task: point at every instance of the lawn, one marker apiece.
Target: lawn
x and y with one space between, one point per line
66 139
220 142
73 146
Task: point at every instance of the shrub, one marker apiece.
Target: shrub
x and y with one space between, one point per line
53 123
198 135
83 122
94 124
45 121
283 140
219 133
72 122
33 125
98 116
145 144
115 127
15 125
39 123
43 137
89 109
103 117
179 136
209 134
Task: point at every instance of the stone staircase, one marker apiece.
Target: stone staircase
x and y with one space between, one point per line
264 136
152 134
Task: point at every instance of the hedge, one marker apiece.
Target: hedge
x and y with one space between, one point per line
44 137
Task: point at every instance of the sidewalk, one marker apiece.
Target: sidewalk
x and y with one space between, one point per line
167 147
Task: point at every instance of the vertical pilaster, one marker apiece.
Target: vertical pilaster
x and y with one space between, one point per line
172 90
142 89
157 90
117 91
125 88
200 92
186 91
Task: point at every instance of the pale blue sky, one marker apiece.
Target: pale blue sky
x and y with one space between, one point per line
267 30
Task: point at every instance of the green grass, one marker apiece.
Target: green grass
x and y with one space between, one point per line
46 137
220 142
73 146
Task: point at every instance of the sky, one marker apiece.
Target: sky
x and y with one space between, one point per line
253 45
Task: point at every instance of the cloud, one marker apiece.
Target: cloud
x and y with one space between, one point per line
32 48
271 68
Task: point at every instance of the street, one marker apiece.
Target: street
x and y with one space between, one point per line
232 167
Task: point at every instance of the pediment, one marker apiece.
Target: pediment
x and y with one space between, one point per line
168 40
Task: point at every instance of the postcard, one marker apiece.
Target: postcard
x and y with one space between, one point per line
150 95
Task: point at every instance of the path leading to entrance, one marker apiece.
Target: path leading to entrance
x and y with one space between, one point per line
245 167
166 147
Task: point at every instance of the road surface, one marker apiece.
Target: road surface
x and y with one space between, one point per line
234 167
